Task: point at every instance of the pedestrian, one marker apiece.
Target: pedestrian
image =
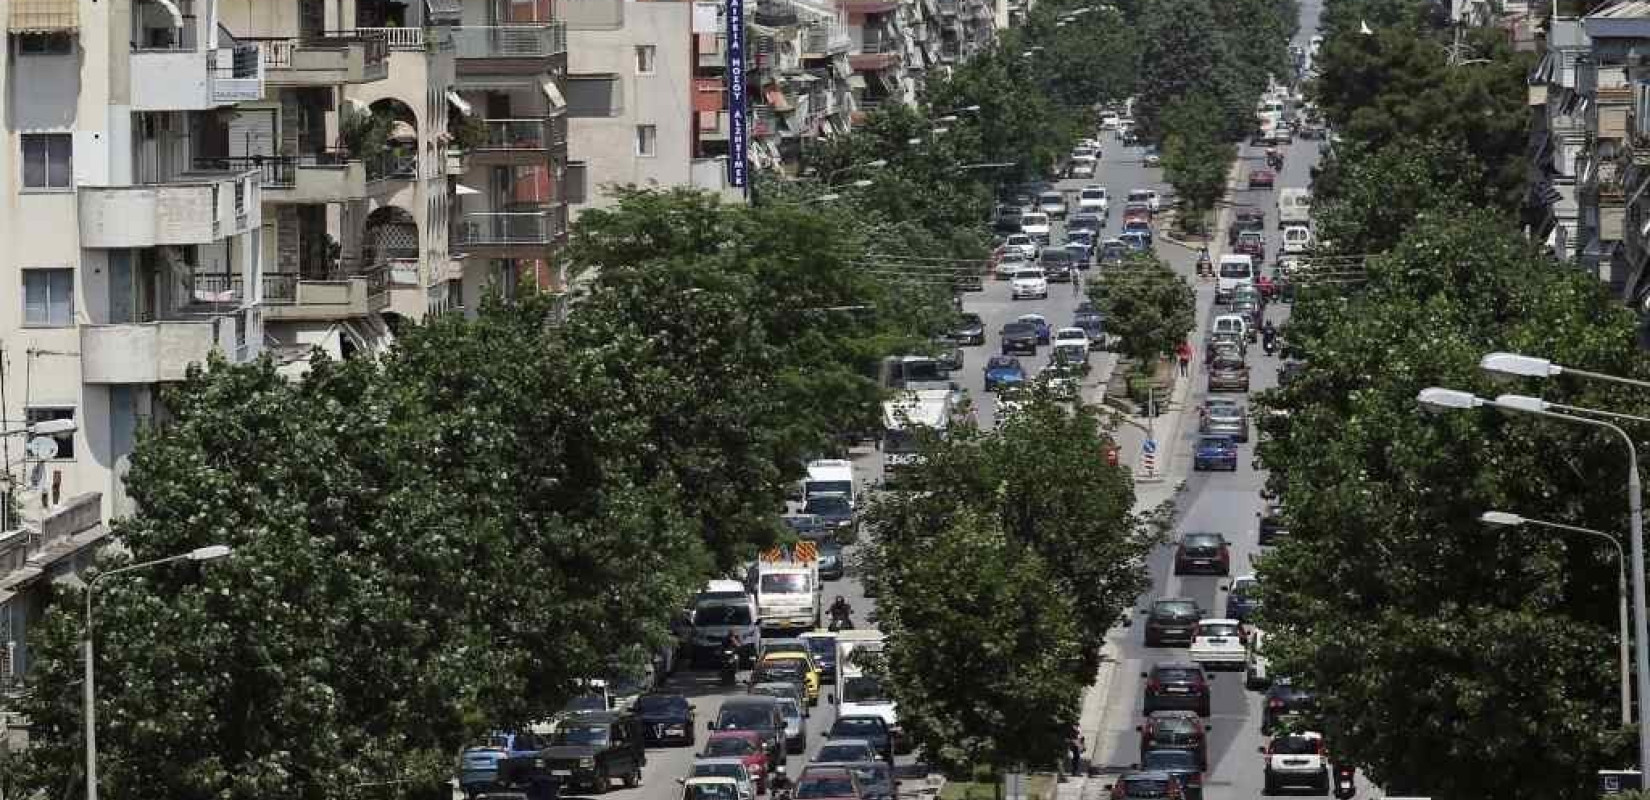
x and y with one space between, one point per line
1077 746
1076 281
1184 354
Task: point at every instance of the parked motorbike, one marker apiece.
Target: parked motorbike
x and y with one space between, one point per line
1345 786
730 665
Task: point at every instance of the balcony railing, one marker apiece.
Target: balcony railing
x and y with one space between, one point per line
393 165
398 39
538 40
881 45
524 134
275 172
513 227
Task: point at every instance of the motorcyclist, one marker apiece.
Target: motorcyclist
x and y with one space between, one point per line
1204 265
1269 336
842 613
779 786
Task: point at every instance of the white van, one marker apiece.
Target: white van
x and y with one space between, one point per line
1294 207
787 595
831 476
723 607
1233 271
1296 239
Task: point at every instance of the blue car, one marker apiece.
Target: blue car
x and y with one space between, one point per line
478 766
1215 452
1003 371
1242 598
1044 332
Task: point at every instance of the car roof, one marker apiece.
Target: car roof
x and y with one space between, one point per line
736 734
1202 534
1215 437
1190 716
843 740
1003 361
1071 329
782 685
735 760
710 780
750 700
1031 317
1176 665
1218 621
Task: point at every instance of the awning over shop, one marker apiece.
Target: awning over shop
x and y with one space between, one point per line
43 16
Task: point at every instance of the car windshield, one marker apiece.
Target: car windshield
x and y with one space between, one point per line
1294 746
729 747
1055 256
1251 236
1139 197
1171 759
873 775
703 770
1175 608
1201 540
1175 726
1000 362
722 615
712 791
1177 675
784 583
1214 443
1145 787
861 728
744 718
1221 629
1053 197
841 752
661 702
828 505
823 647
1234 269
778 671
825 787
969 321
1018 329
1033 320
1034 219
1028 274
576 734
863 689
587 702
1228 364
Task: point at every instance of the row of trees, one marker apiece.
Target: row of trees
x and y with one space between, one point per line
1452 659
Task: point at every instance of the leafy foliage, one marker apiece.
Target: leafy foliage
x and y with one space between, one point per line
1147 305
1196 156
1223 51
1391 571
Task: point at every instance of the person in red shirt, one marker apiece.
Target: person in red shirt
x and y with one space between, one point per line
1184 354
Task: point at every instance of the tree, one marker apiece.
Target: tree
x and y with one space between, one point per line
1147 306
1370 198
1196 157
1387 568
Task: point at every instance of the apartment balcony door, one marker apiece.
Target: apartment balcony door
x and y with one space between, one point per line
527 11
252 133
312 18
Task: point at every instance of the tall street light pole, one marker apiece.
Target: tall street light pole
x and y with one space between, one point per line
89 687
1507 519
1455 399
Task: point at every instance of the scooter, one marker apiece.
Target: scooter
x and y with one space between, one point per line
1345 786
730 665
1269 343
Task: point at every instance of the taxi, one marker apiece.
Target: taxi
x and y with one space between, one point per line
780 665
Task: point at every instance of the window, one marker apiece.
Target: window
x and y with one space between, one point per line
65 441
646 55
647 140
56 43
47 161
48 297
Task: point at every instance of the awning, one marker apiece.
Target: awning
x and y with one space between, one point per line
552 92
461 190
43 16
402 132
459 103
445 10
172 9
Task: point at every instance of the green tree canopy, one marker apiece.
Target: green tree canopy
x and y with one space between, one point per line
1147 305
1196 156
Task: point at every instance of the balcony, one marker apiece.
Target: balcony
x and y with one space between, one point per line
877 53
395 165
330 60
512 234
194 208
521 141
509 49
195 79
151 352
399 40
326 177
291 297
714 56
591 15
824 43
949 7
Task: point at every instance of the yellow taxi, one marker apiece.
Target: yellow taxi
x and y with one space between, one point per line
792 666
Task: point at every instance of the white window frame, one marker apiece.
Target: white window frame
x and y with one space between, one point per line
647 59
24 292
647 141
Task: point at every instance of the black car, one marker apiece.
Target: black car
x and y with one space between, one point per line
867 727
1145 786
666 718
970 330
1283 699
1058 265
1019 337
1182 765
1205 553
1085 222
876 778
1175 730
1177 685
1171 620
823 647
1271 527
1007 224
835 511
592 749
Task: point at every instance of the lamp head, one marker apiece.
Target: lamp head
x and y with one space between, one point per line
1448 399
1520 402
1501 519
211 552
1518 366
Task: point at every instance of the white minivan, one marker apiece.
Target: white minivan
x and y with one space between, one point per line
1294 207
1233 271
1296 239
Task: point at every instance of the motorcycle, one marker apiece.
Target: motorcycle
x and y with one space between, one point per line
1274 159
1269 342
730 665
781 788
1205 267
1345 786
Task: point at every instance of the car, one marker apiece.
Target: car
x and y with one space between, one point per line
1113 252
1063 380
1282 133
1081 252
1111 120
1072 335
1052 204
1228 375
1024 244
1224 417
1037 225
1040 322
592 749
1204 553
1214 452
1230 346
1093 326
1175 730
827 784
1028 283
1011 262
1018 337
1242 598
1139 226
479 766
832 567
1284 699
1232 324
1170 621
667 719
1147 198
1007 222
796 725
1093 199
1085 221
1182 765
1296 760
1261 178
823 645
1081 167
729 767
876 778
1245 218
1137 211
1145 785
782 690
1289 372
1177 685
1252 311
760 715
705 788
969 330
1252 244
1271 525
1058 264
868 728
1001 371
1218 643
834 510
1137 241
1151 157
1297 239
747 746
791 667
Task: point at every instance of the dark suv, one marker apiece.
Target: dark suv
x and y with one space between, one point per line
1019 337
592 749
1284 699
1203 553
1175 730
1177 685
1170 621
1271 526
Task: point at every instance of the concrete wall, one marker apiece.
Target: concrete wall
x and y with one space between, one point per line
663 99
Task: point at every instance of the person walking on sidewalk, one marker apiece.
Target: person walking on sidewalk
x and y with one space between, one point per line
1184 354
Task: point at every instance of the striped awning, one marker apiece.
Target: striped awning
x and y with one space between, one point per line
43 16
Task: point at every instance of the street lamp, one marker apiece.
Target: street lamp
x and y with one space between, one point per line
1507 519
89 690
873 164
1533 367
1455 399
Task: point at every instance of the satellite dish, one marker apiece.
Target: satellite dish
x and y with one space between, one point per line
43 447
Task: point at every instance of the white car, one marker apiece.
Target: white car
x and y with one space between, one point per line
1256 670
1218 643
1028 247
1147 196
1110 122
1052 204
1296 760
1297 239
1011 262
1071 336
1036 225
728 767
1028 283
1094 200
1081 167
1230 325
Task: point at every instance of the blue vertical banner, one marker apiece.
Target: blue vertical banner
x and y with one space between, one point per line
738 133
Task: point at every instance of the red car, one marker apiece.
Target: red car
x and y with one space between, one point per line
827 783
743 745
1252 244
1140 211
1261 178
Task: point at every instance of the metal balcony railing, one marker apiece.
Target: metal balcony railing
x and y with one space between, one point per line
518 134
393 165
538 40
275 172
513 227
277 51
399 39
871 46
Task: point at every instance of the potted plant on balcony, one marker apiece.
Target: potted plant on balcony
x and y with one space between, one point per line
365 135
465 133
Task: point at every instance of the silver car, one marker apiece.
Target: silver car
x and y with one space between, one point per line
796 727
727 768
1223 417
